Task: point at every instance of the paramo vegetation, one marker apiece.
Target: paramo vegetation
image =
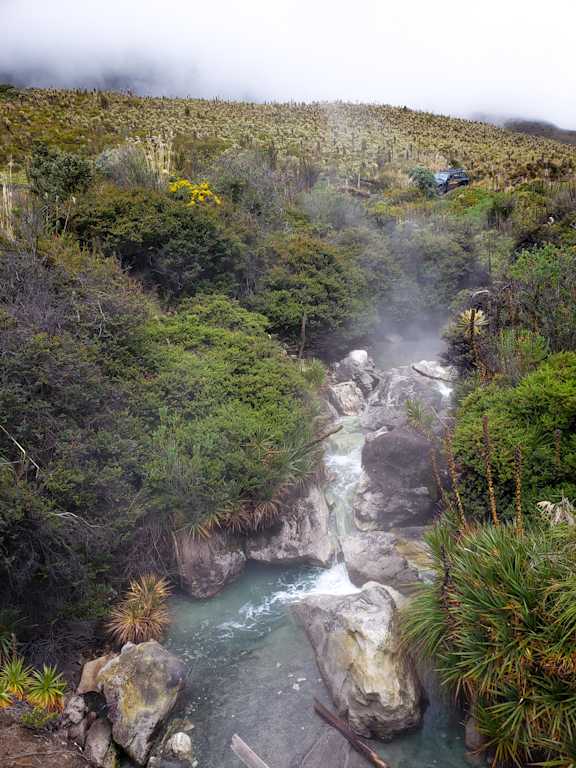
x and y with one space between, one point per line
175 275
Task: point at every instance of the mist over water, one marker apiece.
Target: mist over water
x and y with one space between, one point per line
450 57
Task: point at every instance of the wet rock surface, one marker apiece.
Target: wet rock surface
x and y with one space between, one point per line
346 398
206 566
356 641
302 536
379 556
358 367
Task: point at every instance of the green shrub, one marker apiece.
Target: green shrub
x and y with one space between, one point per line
535 415
498 626
424 180
38 719
544 290
56 175
184 250
308 279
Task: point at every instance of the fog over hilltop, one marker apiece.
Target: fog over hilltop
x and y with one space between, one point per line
451 57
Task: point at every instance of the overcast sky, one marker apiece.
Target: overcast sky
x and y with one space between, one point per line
507 57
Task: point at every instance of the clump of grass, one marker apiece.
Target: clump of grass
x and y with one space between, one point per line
46 689
142 614
16 677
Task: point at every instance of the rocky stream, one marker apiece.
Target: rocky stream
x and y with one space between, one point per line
309 610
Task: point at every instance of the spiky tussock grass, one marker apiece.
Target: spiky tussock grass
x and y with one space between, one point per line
47 688
16 677
142 614
499 625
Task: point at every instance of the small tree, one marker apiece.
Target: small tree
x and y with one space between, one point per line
424 179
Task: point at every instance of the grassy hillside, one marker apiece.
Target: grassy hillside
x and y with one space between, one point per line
350 139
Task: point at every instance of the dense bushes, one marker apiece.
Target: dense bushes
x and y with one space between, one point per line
98 389
184 250
498 623
539 415
311 288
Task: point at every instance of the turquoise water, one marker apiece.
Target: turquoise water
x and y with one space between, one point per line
252 670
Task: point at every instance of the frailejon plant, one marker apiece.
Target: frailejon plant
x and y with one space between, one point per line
5 697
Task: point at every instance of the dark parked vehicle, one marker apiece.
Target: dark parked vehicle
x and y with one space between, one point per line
450 179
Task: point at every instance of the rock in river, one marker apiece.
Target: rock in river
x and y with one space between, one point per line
358 367
356 641
397 486
347 398
206 566
376 556
141 687
302 536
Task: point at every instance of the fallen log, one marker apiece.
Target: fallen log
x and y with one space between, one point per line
349 735
246 755
429 375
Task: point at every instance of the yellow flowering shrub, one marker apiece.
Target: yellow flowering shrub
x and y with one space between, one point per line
196 194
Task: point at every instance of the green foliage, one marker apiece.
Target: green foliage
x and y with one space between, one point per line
308 278
16 677
56 175
46 689
498 625
527 415
424 179
38 718
184 250
545 285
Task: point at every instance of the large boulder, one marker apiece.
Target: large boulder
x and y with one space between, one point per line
207 565
397 486
376 556
357 646
141 687
347 398
302 536
358 367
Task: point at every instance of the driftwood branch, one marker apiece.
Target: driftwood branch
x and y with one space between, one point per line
429 375
349 735
322 437
246 755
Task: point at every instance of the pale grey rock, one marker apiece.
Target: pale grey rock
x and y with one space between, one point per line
141 687
347 398
358 367
99 748
77 732
179 746
75 710
206 566
376 556
357 645
302 536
